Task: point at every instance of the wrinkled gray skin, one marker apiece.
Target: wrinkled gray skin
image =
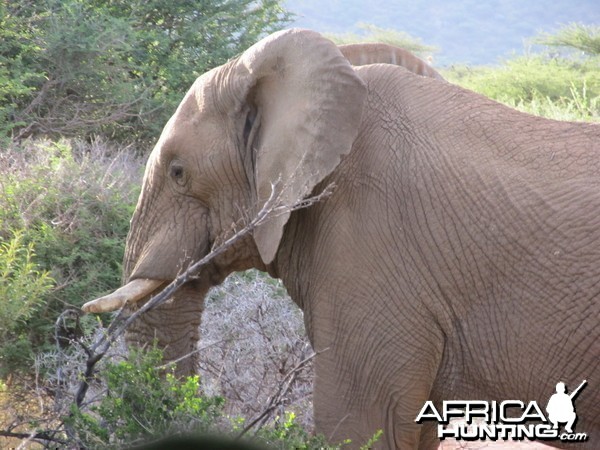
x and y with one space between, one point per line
458 257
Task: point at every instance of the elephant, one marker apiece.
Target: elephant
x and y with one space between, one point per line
379 53
455 256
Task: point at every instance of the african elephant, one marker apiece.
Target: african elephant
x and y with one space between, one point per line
456 257
377 53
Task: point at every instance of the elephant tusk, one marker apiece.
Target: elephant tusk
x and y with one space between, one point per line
131 292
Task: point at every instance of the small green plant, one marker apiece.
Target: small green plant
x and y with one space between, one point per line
23 285
144 400
288 433
371 442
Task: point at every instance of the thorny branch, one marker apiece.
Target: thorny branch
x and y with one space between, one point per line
98 350
35 436
279 397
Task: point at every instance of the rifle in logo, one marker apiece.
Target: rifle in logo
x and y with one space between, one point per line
560 406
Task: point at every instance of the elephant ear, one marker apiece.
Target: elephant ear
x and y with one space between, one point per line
309 103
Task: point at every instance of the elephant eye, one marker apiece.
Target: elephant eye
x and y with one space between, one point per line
177 174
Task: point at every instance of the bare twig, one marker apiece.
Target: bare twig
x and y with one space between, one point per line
35 436
198 350
279 396
271 208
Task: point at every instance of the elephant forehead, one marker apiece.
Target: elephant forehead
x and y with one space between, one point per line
196 107
208 89
189 129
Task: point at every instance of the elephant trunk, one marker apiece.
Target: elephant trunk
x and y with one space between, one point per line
174 326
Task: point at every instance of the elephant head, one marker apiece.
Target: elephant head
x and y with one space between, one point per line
281 116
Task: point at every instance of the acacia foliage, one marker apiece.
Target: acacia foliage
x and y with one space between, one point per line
115 68
372 33
561 81
575 37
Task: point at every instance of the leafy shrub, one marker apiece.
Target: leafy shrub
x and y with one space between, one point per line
22 287
115 68
576 37
288 433
528 77
73 203
373 33
579 106
563 85
19 73
144 401
556 89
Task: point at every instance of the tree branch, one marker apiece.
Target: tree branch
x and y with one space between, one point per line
98 350
279 396
41 436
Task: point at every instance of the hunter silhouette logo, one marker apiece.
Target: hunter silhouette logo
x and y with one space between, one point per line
510 419
560 406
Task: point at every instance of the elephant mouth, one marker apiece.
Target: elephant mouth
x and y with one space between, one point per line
132 292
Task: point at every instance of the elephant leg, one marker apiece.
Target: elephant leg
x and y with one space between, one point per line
334 416
345 409
175 327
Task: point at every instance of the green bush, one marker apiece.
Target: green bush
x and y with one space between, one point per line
22 288
73 203
288 434
528 77
562 85
115 68
575 37
557 89
373 33
144 401
19 70
578 106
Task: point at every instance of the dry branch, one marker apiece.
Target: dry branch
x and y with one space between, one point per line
98 350
278 398
43 436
